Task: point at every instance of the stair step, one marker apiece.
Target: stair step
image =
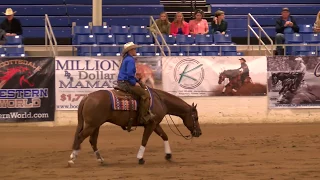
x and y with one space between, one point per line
185 9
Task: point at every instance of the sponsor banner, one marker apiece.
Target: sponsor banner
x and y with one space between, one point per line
215 76
293 82
27 92
79 76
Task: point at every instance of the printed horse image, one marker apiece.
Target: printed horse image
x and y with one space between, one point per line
289 82
145 73
304 95
120 108
234 76
24 73
317 70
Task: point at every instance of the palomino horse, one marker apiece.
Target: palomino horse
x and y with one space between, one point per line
317 70
145 73
120 108
234 77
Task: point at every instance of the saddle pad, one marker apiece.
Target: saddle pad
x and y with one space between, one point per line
124 101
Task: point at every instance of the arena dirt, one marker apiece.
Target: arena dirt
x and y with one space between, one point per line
235 152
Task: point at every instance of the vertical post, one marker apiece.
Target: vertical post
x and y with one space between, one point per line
97 12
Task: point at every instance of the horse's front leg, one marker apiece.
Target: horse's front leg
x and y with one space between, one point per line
148 129
165 139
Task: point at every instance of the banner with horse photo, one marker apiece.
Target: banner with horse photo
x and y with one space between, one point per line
79 76
294 82
215 76
27 92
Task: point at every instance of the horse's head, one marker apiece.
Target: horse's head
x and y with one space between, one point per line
191 121
274 78
222 76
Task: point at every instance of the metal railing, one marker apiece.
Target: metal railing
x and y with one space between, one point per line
158 33
250 29
49 36
240 48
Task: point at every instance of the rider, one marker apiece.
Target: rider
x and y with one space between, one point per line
128 82
244 69
302 70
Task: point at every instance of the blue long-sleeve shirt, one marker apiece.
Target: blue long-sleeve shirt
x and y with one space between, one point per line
127 70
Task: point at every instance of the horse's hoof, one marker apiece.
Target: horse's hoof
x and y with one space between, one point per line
141 161
70 163
101 161
168 157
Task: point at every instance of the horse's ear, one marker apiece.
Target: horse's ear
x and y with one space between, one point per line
192 104
196 106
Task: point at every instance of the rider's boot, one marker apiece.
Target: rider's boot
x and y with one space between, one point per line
145 115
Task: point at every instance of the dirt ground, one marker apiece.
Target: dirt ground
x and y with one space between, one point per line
235 152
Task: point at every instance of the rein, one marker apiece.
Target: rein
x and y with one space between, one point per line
188 137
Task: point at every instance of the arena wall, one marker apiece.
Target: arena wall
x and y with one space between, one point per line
218 110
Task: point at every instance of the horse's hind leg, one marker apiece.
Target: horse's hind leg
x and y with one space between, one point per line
165 139
87 131
94 141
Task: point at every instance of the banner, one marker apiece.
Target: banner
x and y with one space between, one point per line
27 92
215 76
79 76
294 82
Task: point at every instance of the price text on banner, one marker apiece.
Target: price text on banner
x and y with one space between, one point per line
27 92
215 76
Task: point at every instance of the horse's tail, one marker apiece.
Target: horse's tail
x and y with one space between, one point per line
80 116
80 124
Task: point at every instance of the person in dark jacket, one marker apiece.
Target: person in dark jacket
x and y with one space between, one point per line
12 26
284 25
244 69
128 82
219 25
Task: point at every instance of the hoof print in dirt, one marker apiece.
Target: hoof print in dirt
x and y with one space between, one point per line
141 161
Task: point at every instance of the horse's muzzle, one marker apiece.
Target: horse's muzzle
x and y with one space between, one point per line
196 133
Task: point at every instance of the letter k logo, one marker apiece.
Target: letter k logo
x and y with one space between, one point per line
185 71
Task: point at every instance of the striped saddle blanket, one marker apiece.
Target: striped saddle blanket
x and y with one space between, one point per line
123 101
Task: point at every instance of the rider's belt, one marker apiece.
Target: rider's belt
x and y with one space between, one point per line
122 81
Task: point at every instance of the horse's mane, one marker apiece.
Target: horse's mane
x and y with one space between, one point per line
170 96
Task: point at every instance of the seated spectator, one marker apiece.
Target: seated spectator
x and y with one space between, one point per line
179 26
219 25
162 23
11 25
285 24
316 27
199 25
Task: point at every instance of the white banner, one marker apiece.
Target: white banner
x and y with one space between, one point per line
199 75
78 76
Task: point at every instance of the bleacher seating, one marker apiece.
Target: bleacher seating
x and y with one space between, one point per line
266 12
63 12
127 20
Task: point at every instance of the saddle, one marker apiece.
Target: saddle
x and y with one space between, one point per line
122 100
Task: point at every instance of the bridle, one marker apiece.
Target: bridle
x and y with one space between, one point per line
186 137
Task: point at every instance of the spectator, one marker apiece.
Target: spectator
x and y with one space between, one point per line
285 24
11 25
316 27
198 25
219 25
179 26
162 23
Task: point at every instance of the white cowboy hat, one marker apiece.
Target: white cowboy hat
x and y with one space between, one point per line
9 12
128 46
299 59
